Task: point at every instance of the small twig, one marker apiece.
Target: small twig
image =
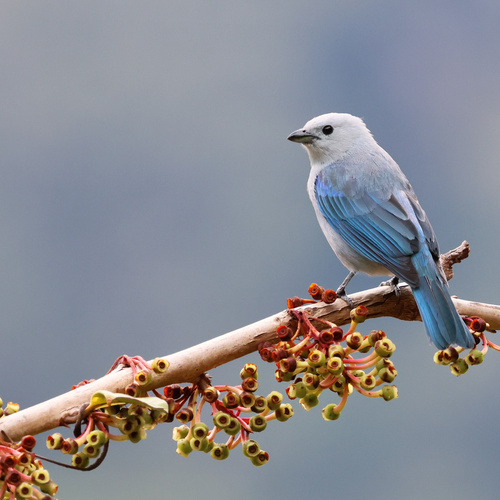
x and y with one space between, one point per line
455 256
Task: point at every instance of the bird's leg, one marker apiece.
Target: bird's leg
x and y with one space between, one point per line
394 284
341 289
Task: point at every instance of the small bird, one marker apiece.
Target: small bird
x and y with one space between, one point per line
373 221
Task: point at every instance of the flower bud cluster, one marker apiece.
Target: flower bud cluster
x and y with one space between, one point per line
451 356
22 475
238 413
131 416
318 355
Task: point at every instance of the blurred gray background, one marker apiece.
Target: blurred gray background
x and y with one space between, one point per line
149 201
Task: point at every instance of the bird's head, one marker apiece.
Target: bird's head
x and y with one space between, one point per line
327 138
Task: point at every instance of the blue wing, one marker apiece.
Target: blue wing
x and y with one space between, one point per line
377 225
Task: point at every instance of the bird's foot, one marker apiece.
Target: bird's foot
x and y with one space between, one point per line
342 295
394 284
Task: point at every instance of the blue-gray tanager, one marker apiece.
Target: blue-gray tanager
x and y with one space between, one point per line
372 219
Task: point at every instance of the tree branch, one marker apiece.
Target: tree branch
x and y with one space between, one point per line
188 365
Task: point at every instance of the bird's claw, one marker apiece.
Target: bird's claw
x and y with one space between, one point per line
394 284
342 295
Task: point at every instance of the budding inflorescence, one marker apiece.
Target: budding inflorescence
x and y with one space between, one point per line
22 474
131 416
238 413
318 355
451 355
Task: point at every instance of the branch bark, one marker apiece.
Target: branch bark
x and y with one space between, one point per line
188 365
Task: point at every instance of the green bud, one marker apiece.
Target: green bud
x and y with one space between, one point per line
49 488
198 444
257 423
231 400
438 358
160 365
292 365
450 355
385 348
211 394
354 340
250 448
259 405
184 447
475 357
359 314
180 432
80 460
219 451
368 382
329 412
316 358
389 392
24 490
138 435
143 377
247 399
55 441
69 446
383 363
97 438
261 459
40 476
24 460
388 374
459 367
297 390
250 384
91 450
199 430
309 401
274 400
335 365
233 428
311 381
284 412
375 336
129 425
221 419
249 370
146 421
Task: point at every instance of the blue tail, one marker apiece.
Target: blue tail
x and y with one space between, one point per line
442 321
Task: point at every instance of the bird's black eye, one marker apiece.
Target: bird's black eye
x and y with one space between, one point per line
327 129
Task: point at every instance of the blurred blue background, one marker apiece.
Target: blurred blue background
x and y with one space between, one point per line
150 201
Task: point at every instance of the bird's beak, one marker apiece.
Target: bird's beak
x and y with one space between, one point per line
302 137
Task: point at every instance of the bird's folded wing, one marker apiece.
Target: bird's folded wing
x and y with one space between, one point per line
376 225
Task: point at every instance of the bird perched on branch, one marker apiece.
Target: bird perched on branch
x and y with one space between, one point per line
373 221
